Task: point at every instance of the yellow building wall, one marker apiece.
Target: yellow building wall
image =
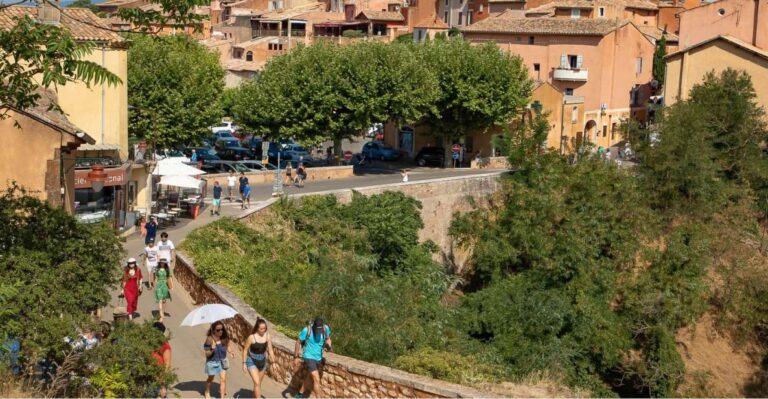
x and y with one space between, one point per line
684 73
101 110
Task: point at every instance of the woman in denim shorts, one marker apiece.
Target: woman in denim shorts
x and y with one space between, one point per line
216 348
255 351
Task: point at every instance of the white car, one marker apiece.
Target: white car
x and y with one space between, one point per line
225 125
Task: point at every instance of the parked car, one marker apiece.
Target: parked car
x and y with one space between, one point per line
235 154
292 152
203 153
162 154
224 167
257 166
431 156
225 125
379 150
224 139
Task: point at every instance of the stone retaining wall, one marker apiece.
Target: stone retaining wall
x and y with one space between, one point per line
313 174
344 376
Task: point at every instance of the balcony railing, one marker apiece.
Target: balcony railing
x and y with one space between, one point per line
570 74
284 33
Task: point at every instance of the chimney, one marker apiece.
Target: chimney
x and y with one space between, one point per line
48 12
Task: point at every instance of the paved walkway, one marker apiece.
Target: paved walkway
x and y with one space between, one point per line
187 342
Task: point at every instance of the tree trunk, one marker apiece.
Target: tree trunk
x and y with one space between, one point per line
337 151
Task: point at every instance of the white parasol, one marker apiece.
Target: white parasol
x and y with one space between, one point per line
181 181
209 314
171 167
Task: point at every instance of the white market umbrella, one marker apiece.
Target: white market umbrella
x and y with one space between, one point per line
181 181
208 314
169 167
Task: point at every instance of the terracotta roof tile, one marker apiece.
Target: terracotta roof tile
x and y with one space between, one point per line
282 15
432 23
507 23
656 33
373 15
82 23
549 8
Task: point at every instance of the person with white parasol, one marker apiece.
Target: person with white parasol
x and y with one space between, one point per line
216 344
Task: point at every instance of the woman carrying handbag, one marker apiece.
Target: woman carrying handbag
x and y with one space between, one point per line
216 348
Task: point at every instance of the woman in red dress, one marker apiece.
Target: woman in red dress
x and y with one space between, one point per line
131 286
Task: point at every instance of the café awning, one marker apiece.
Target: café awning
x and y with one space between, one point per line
181 181
169 166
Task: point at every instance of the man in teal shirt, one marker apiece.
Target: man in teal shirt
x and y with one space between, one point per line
315 338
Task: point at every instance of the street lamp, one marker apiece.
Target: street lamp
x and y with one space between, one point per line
97 176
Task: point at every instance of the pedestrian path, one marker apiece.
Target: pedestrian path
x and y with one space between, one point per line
187 342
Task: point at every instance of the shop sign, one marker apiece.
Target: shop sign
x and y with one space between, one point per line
115 177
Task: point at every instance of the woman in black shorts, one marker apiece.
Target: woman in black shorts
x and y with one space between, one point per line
255 351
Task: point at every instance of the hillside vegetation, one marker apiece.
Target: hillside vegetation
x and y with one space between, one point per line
584 273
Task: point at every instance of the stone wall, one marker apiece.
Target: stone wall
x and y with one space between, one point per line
313 174
490 163
341 376
440 199
344 376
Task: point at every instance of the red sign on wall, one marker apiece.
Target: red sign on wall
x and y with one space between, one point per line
115 177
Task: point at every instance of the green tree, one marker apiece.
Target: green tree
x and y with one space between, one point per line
480 87
38 55
174 86
329 92
659 64
62 270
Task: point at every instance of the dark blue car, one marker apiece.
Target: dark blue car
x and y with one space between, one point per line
379 150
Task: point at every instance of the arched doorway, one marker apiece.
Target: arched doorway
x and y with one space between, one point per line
590 130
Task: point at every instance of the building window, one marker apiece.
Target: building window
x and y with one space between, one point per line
605 130
575 13
530 40
571 61
469 17
249 56
461 17
634 95
613 130
574 114
568 91
639 65
601 11
445 17
537 67
446 3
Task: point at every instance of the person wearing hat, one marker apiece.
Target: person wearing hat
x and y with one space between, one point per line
131 286
314 338
163 285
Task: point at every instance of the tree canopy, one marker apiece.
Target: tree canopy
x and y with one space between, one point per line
329 92
174 86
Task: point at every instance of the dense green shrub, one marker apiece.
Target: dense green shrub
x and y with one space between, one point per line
338 261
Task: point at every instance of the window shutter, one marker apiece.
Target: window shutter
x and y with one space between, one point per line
564 61
579 61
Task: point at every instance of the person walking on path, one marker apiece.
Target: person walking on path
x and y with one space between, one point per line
166 250
246 196
243 182
131 286
216 198
164 286
231 181
255 351
288 173
163 358
301 175
216 348
150 230
193 157
315 338
151 255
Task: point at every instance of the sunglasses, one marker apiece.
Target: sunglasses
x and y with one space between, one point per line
219 330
